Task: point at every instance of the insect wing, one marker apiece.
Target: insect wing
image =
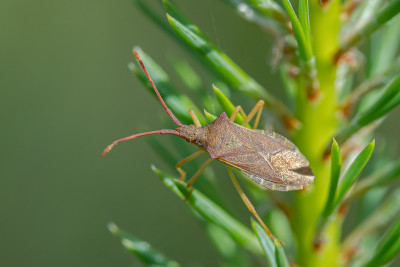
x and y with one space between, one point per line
267 158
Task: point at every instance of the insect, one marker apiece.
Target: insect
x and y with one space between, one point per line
267 158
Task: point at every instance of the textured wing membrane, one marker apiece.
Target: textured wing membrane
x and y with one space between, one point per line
292 161
255 163
247 170
263 183
279 138
269 159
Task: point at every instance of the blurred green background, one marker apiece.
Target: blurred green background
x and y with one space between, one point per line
66 93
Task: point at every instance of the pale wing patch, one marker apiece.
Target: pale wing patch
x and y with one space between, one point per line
232 142
286 162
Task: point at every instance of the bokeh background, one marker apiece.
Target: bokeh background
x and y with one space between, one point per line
66 93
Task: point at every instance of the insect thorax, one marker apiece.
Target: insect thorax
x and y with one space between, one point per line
193 134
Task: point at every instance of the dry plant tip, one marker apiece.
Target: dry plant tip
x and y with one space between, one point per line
318 244
313 95
326 156
291 123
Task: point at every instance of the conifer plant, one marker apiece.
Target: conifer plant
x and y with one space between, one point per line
339 64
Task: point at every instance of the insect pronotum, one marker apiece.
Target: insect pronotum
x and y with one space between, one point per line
267 158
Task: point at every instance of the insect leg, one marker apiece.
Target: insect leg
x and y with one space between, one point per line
235 112
256 110
249 205
199 171
194 118
184 161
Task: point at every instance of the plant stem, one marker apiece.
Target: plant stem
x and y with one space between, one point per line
318 127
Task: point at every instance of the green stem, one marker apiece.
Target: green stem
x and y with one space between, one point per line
318 127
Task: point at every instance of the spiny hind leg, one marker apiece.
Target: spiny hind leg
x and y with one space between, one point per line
250 206
256 110
196 120
184 161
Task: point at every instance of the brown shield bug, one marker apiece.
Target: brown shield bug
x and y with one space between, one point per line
267 158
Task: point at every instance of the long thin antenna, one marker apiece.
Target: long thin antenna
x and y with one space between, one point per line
170 114
116 142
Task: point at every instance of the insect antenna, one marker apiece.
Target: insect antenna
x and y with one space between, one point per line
169 112
116 142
